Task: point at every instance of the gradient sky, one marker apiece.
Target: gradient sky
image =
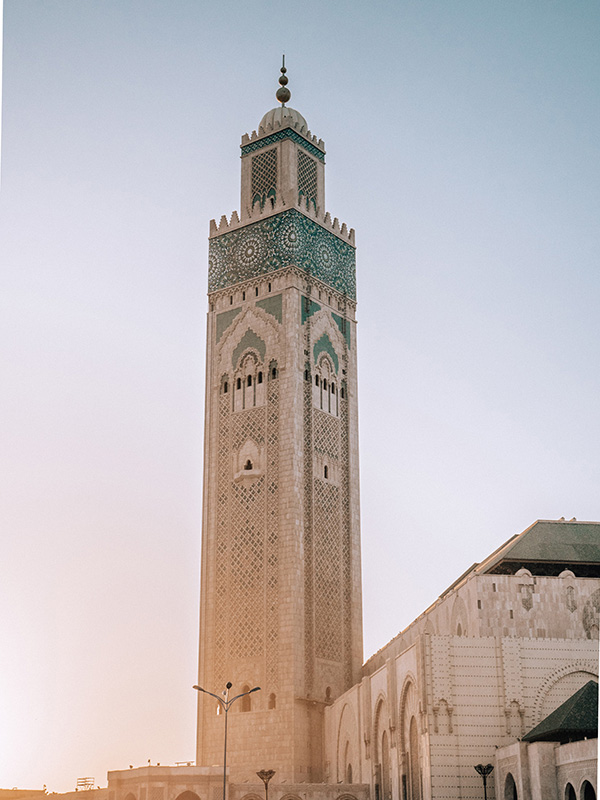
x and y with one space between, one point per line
463 145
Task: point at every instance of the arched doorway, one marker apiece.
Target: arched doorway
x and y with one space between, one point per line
570 792
414 777
587 791
386 784
510 788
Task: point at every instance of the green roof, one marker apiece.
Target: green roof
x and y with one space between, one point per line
575 719
557 544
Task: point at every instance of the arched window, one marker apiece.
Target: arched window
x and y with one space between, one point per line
248 465
510 789
325 384
256 288
333 388
272 701
587 791
249 380
243 295
306 375
230 299
342 393
246 701
274 372
326 471
316 380
269 287
259 377
225 387
239 383
570 792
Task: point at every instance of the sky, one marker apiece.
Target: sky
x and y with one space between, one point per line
463 145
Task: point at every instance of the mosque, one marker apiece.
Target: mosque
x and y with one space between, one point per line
499 672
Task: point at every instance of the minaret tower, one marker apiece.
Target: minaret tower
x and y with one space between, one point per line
281 593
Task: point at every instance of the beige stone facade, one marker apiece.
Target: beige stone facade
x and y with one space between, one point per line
281 596
479 669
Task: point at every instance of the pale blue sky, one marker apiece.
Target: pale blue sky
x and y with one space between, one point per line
463 146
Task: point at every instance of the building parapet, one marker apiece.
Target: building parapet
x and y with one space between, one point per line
257 213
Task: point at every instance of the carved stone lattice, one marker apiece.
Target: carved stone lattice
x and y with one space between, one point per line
307 178
326 435
240 556
328 605
308 535
223 481
264 176
347 582
272 533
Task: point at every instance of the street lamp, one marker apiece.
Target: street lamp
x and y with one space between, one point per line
226 704
484 771
265 775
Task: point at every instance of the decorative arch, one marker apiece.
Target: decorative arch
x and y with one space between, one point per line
249 341
429 627
587 791
582 668
591 614
347 755
187 795
459 619
570 793
510 788
248 331
383 775
410 740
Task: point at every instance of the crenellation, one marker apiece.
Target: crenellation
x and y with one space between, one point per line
263 212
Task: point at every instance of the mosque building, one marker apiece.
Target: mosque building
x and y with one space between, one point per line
501 670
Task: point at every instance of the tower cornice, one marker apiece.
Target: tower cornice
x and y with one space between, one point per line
277 132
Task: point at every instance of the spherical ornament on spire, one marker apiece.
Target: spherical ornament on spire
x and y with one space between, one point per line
283 94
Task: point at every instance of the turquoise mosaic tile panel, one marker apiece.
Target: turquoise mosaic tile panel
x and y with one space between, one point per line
286 239
224 320
287 133
308 308
272 305
324 344
344 327
249 339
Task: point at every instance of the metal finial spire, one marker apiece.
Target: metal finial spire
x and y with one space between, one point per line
283 94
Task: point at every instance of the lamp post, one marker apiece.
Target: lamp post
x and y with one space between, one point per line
484 771
225 703
265 775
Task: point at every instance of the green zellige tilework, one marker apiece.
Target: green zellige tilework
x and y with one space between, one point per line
324 344
286 239
249 339
344 327
308 307
288 133
272 305
224 320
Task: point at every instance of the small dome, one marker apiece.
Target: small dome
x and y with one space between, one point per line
283 115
